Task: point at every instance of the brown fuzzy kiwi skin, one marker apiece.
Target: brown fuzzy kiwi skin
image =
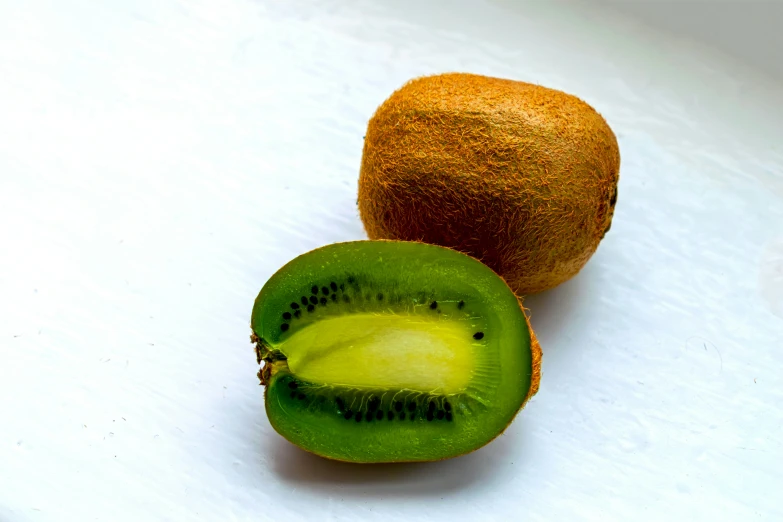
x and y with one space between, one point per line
535 382
535 365
520 176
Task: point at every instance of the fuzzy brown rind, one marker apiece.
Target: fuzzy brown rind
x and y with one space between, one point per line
535 365
520 176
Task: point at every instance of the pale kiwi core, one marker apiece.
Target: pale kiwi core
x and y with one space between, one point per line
384 351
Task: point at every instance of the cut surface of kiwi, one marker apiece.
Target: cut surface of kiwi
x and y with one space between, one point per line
391 351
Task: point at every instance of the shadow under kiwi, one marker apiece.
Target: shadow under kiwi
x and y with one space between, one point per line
557 314
296 466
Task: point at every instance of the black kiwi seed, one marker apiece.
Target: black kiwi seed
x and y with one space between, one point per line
310 308
379 415
304 301
368 417
324 290
333 286
313 300
433 305
342 287
298 314
286 315
351 280
294 306
449 417
430 416
300 396
447 406
380 296
334 298
284 327
314 290
374 403
348 414
411 406
390 415
441 414
402 415
293 385
478 335
358 416
323 301
461 305
293 394
398 405
340 403
431 407
346 299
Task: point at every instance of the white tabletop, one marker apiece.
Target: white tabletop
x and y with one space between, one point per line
159 160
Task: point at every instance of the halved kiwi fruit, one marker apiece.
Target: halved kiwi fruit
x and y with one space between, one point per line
392 351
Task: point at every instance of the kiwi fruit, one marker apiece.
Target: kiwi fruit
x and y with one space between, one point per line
517 175
392 351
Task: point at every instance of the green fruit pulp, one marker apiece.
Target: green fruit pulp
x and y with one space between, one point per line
390 351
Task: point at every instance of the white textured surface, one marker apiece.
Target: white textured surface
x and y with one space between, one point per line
159 160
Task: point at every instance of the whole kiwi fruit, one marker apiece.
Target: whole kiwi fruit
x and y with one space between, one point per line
520 176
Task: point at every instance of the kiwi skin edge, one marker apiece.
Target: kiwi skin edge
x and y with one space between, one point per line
535 377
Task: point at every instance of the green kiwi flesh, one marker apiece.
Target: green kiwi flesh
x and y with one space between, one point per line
390 351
